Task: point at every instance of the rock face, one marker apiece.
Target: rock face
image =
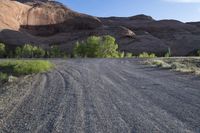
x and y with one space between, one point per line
25 1
44 22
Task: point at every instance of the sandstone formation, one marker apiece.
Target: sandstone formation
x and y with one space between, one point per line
44 23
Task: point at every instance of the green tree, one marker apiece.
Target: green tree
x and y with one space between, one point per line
2 50
107 48
100 47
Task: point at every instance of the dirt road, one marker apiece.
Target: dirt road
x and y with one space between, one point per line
102 96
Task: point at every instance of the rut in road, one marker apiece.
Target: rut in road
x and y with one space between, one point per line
104 96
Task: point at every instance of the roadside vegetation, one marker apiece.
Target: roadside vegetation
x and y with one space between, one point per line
147 55
198 53
106 47
99 47
31 51
92 47
16 68
2 50
182 64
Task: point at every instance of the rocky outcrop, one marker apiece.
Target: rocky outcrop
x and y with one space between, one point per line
44 19
44 22
181 38
26 1
11 14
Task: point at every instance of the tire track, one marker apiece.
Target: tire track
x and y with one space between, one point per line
106 96
139 101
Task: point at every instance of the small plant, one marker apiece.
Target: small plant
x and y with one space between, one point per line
160 63
2 50
121 55
55 52
198 53
3 77
186 65
18 52
38 52
128 55
168 54
27 51
147 55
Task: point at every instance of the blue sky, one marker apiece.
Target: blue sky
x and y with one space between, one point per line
183 10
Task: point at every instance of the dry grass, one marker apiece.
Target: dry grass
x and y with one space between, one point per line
181 64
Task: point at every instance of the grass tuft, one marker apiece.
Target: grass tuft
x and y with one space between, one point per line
3 77
186 65
23 67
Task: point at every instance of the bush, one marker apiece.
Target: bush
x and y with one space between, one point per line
128 55
54 52
160 63
38 52
18 52
3 77
98 47
23 67
168 54
2 50
198 52
121 54
147 55
29 51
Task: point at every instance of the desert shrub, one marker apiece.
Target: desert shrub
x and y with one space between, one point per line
54 51
198 52
128 55
18 52
38 52
97 47
168 54
3 77
121 54
178 65
29 51
147 55
2 50
10 54
160 63
23 67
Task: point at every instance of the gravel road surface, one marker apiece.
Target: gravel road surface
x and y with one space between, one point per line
102 96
